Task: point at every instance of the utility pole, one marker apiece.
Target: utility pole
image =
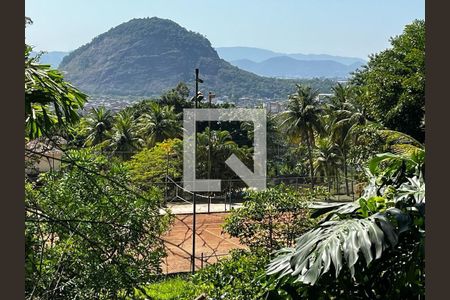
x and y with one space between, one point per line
196 96
210 97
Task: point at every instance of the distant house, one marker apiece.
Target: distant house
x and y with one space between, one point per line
42 156
323 96
274 107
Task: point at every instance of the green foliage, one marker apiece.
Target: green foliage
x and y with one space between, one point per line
89 233
176 288
99 122
177 97
124 139
366 142
343 120
159 123
50 102
271 219
327 160
385 227
240 277
391 87
222 146
303 119
152 165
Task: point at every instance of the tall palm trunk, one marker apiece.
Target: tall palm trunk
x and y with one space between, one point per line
337 183
329 179
345 172
310 158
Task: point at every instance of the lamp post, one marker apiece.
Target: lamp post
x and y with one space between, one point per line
197 80
210 97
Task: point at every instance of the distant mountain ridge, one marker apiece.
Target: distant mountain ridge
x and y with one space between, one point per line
288 67
265 62
273 64
259 55
52 58
145 57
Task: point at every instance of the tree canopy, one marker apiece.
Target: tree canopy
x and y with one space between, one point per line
391 86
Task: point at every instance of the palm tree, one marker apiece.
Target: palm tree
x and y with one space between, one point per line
302 120
124 139
327 160
159 123
345 118
221 147
50 102
100 121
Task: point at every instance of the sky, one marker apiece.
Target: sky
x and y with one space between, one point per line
339 27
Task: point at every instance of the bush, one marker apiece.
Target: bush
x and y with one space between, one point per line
271 219
240 277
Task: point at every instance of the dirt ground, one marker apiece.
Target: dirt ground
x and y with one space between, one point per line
210 241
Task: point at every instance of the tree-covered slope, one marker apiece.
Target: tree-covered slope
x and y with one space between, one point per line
144 57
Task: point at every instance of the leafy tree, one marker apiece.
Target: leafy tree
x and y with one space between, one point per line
276 142
270 219
370 248
177 97
140 108
366 143
391 87
50 102
152 165
302 120
89 233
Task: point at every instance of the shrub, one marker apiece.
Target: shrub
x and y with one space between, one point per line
240 277
271 219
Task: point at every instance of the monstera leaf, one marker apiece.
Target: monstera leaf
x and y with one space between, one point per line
361 230
334 243
415 188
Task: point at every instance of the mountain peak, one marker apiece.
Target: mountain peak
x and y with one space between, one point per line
135 55
147 56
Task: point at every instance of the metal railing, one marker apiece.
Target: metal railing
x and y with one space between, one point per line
233 190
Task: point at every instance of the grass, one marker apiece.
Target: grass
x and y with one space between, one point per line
174 288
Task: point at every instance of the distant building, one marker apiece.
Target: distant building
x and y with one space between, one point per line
321 97
274 107
41 156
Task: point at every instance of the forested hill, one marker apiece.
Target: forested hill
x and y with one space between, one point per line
145 57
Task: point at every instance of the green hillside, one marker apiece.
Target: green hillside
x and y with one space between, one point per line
145 57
